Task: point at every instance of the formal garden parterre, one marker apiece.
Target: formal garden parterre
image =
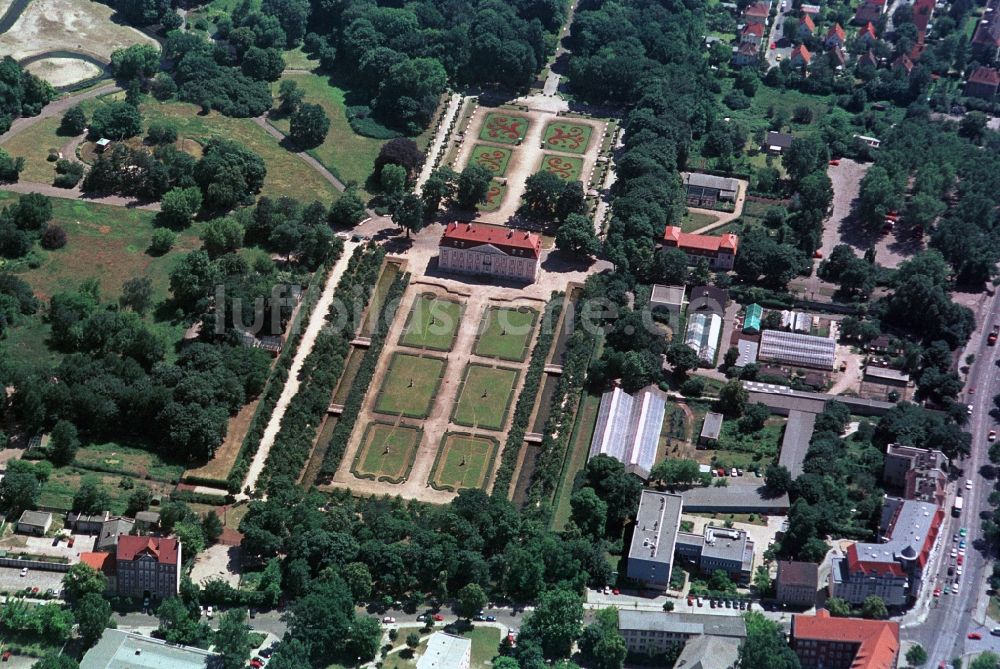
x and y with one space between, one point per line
387 452
567 137
567 168
493 158
410 386
464 461
484 397
504 128
494 197
505 333
432 323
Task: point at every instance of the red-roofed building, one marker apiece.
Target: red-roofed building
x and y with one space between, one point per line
720 251
824 642
866 34
752 33
148 566
806 26
492 250
869 11
835 36
103 562
922 10
757 13
986 39
903 64
894 568
747 53
800 56
983 83
868 59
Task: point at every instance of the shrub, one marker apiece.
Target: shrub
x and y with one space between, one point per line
53 238
163 240
359 117
161 133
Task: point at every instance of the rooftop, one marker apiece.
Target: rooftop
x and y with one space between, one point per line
40 518
667 295
689 623
163 550
878 639
985 75
712 426
781 140
794 573
628 428
725 544
795 348
656 525
748 352
910 528
124 650
885 373
445 651
749 497
795 443
687 240
782 396
499 236
709 652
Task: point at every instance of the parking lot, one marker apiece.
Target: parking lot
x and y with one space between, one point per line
11 579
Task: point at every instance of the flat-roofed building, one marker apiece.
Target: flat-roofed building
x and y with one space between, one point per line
710 429
491 250
34 522
655 632
86 523
716 548
886 377
735 499
446 651
628 428
748 352
900 459
651 552
719 250
705 190
667 298
118 649
792 348
795 443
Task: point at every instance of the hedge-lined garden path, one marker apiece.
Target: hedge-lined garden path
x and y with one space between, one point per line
316 322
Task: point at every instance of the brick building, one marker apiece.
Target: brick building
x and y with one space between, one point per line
824 642
719 250
148 566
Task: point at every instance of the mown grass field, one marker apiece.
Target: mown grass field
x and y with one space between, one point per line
127 460
387 451
579 448
104 243
464 462
64 482
33 145
432 323
348 155
693 220
506 333
485 397
410 386
287 174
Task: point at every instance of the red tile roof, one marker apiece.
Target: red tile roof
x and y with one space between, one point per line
904 62
922 10
836 30
867 30
878 639
856 564
164 550
757 9
685 240
802 52
985 75
808 23
99 561
508 240
753 29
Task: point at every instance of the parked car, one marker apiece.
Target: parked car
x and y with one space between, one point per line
388 620
975 635
24 571
437 616
995 631
968 484
491 619
992 436
6 655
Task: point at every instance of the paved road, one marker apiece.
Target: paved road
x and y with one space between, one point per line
944 630
775 35
270 621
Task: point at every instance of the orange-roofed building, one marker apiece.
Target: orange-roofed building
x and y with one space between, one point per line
148 567
835 36
491 250
105 563
800 56
866 34
824 642
719 250
806 26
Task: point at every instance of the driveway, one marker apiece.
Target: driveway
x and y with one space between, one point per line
777 30
11 579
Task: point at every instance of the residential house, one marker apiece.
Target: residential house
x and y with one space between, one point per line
719 250
747 53
797 583
986 39
837 58
752 33
806 27
706 190
824 642
894 568
651 552
777 142
867 35
867 59
869 11
490 250
903 64
446 651
36 523
983 83
811 10
758 12
655 632
800 56
628 428
835 36
111 529
148 566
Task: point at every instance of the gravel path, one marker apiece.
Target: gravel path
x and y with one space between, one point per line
309 160
56 107
316 322
442 134
75 194
724 217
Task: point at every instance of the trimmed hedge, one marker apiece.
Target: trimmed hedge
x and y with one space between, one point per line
322 368
279 375
526 401
200 498
362 380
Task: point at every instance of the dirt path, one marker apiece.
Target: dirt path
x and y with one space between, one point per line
724 217
455 103
316 322
56 107
309 160
76 194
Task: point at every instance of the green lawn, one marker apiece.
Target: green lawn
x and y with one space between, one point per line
567 169
583 432
387 452
64 482
345 153
493 158
504 128
764 442
104 243
494 198
127 460
484 397
287 174
33 145
694 220
506 333
464 461
568 137
485 644
410 386
433 323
